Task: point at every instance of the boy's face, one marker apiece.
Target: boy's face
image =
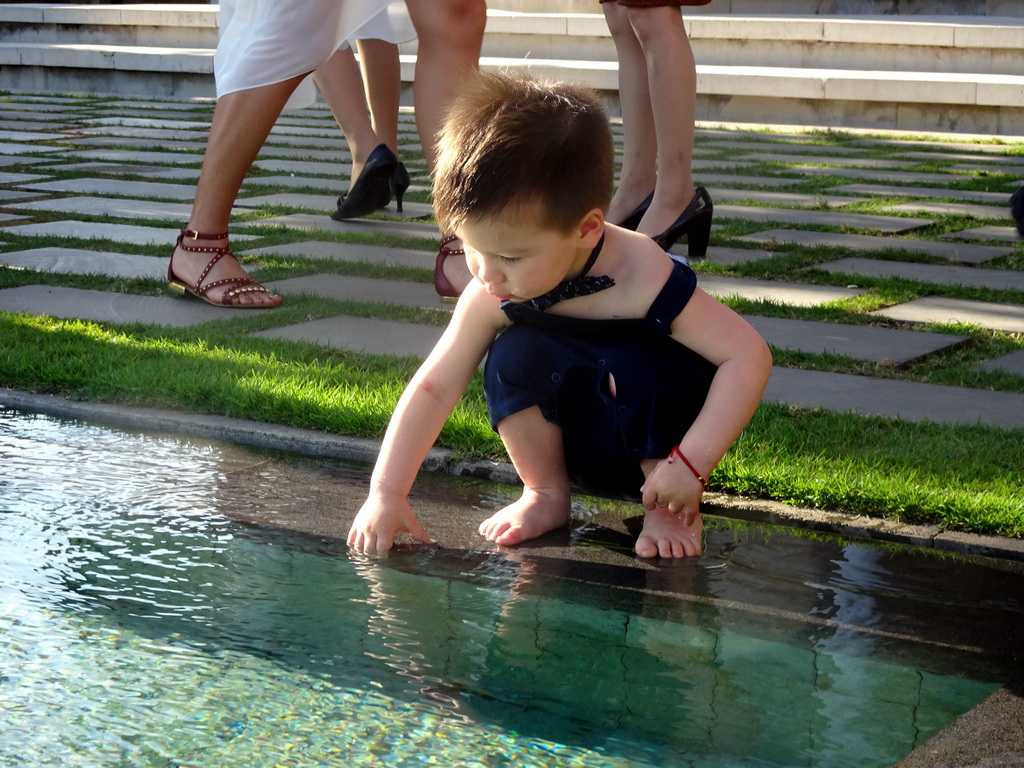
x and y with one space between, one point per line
517 258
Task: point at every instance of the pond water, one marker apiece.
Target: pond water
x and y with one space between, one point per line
143 622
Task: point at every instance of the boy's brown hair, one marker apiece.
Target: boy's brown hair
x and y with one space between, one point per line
510 142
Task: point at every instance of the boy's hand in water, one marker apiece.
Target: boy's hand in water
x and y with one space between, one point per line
672 485
379 519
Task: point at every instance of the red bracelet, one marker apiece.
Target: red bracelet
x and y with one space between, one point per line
676 452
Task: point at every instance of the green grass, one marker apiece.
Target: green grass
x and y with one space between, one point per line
961 478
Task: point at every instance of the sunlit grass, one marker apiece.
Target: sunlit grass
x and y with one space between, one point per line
963 478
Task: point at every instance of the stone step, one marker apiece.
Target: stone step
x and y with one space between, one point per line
991 8
797 64
187 74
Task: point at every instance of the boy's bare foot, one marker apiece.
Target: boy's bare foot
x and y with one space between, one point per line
666 535
535 513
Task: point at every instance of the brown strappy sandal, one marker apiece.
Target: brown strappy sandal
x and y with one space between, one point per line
239 285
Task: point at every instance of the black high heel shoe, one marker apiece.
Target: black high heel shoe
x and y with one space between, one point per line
373 181
633 220
399 183
695 223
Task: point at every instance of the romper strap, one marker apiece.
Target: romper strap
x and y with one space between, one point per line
674 295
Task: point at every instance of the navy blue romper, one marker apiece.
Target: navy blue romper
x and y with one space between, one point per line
562 364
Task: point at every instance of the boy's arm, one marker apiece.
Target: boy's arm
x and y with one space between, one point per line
421 412
744 362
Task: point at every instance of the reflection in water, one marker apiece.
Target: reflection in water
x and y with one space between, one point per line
141 627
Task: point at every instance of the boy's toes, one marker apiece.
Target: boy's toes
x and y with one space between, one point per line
492 529
645 547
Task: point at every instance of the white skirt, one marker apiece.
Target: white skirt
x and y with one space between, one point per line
263 42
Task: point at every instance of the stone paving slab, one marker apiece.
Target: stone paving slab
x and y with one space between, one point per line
303 154
111 206
362 334
62 105
77 261
735 165
118 187
308 221
183 106
365 289
781 198
954 252
860 342
329 204
801 160
8 160
891 224
146 123
882 174
11 194
10 148
938 309
20 178
103 306
996 279
794 294
709 180
284 131
773 146
907 400
287 142
911 143
955 157
10 217
1011 363
38 112
132 157
730 257
972 168
149 171
304 167
992 198
932 208
9 135
129 132
1007 234
88 230
26 125
333 185
320 249
196 146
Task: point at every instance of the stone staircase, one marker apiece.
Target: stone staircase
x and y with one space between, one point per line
926 65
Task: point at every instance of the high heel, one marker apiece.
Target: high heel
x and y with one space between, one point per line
238 285
397 184
632 221
400 182
445 290
695 223
373 182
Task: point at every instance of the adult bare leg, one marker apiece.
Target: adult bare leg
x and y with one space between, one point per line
340 81
451 34
382 78
672 81
640 148
241 123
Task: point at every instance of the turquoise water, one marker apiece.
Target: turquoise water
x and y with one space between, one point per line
140 626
